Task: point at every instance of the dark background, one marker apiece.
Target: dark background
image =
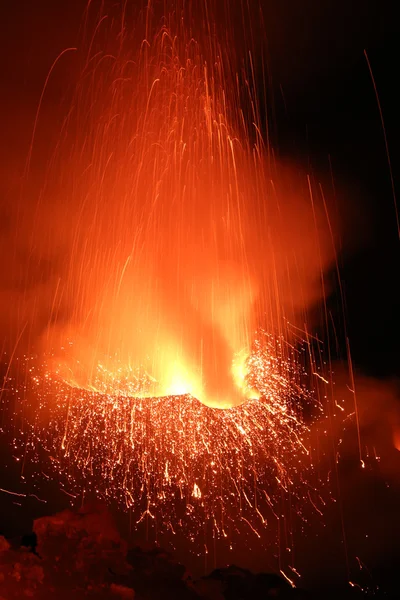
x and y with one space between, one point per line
324 115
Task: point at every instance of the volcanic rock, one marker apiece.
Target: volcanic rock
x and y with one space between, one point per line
235 583
82 555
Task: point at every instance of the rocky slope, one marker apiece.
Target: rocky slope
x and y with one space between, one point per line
77 555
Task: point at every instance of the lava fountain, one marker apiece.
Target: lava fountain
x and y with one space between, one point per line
184 259
180 235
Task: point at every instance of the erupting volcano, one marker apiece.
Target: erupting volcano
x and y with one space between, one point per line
185 261
190 338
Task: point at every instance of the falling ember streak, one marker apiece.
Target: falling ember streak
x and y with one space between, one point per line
38 499
295 571
28 161
251 527
353 390
386 142
287 579
317 509
12 493
68 493
352 584
321 378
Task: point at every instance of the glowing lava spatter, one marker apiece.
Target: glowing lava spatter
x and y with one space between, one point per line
226 464
182 238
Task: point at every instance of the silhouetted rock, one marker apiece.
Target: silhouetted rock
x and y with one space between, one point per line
30 541
21 575
81 555
235 583
156 575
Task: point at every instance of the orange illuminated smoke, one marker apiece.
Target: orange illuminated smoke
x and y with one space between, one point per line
180 239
